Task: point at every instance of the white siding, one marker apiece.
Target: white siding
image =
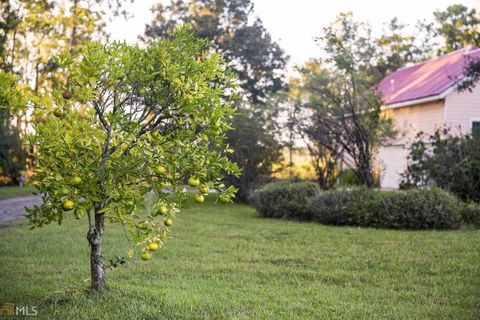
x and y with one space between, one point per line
408 121
393 162
461 109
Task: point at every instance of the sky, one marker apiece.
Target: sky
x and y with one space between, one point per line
296 23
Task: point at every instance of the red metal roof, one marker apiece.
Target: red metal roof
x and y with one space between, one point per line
426 79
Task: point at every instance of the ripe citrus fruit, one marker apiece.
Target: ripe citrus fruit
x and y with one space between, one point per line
146 255
203 188
168 222
153 246
160 170
76 181
199 198
68 205
193 182
162 211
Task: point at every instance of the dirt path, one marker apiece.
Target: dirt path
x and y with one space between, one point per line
14 208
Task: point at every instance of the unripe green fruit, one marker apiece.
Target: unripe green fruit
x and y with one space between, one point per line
215 132
223 199
58 113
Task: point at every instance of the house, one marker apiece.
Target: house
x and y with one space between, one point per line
423 97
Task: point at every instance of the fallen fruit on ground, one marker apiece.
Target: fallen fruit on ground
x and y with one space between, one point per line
199 198
193 182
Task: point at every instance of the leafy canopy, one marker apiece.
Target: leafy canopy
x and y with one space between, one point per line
140 122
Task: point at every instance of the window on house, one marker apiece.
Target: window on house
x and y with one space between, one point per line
476 127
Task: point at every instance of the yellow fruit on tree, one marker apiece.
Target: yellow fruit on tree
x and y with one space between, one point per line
193 182
223 199
76 181
162 211
68 205
146 255
153 246
203 188
168 222
160 170
199 198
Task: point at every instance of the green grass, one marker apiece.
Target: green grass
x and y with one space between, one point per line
15 191
225 263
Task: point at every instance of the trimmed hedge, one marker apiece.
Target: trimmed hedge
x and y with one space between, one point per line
431 208
282 199
413 209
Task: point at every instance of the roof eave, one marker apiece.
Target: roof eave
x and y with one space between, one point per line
437 97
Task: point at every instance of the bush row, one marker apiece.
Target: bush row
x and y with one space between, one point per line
431 208
284 199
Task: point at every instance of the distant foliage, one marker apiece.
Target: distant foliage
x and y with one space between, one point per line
447 161
348 178
412 209
284 199
12 153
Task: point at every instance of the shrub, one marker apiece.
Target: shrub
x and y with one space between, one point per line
471 214
413 209
449 161
422 209
283 199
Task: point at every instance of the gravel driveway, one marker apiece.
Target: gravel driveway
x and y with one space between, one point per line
14 208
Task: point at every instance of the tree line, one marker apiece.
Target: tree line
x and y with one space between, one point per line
329 105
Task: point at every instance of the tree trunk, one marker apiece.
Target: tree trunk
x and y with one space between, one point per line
95 236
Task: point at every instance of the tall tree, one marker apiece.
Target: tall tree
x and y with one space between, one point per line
457 26
395 48
246 45
12 154
257 60
346 113
9 21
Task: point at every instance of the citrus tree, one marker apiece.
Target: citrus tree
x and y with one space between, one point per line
130 128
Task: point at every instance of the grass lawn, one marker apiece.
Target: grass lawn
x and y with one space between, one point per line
15 191
225 263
